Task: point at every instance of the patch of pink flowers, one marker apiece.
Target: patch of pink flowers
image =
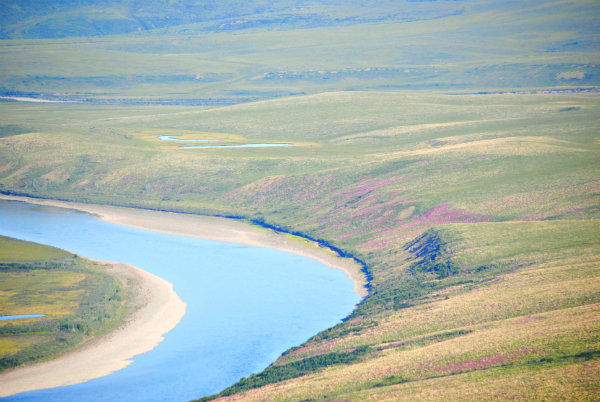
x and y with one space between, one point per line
368 185
484 362
440 215
435 216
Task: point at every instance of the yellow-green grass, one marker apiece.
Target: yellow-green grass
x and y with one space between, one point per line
471 211
505 185
78 301
504 336
14 250
392 45
53 293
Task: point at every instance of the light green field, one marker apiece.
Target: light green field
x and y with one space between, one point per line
78 300
14 250
452 146
504 186
455 45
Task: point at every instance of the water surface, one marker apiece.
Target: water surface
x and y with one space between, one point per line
257 145
173 138
239 146
20 316
246 305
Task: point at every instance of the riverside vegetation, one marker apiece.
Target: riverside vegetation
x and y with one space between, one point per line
463 173
78 300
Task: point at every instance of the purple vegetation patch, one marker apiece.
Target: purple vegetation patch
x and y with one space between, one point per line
367 185
435 216
484 362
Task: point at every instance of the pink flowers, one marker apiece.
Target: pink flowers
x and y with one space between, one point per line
484 362
436 216
366 186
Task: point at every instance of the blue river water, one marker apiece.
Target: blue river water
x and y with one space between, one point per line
246 305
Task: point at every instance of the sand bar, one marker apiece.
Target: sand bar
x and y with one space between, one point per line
212 228
157 310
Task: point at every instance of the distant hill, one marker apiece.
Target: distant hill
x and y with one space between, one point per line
452 146
60 19
232 51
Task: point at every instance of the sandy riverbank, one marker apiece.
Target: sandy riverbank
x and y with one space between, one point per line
212 228
157 310
159 307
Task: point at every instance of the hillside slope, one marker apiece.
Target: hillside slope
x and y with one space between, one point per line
494 311
476 215
450 145
457 46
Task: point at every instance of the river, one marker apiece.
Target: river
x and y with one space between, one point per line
245 305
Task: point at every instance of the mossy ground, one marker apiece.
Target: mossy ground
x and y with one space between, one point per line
77 298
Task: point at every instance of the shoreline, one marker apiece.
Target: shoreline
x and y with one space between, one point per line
211 228
157 310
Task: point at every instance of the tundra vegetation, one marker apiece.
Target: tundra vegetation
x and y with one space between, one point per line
75 295
463 172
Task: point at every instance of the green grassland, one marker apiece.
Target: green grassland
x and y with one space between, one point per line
477 216
78 299
451 145
456 45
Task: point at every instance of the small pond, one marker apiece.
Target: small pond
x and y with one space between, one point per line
237 146
20 316
173 138
257 145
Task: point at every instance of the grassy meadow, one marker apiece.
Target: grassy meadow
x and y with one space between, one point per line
251 51
477 216
77 298
452 146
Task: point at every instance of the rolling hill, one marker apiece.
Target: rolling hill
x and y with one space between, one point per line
452 146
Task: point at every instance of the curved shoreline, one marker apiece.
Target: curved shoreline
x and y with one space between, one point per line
211 228
158 309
